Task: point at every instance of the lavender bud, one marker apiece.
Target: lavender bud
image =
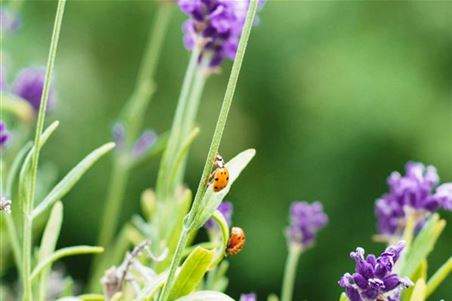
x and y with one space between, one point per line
29 85
248 297
144 143
9 21
4 134
374 278
414 192
119 134
305 221
226 208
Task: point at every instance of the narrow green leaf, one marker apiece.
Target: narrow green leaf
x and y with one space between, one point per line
91 297
206 296
419 291
152 288
422 245
438 277
219 219
421 273
179 160
71 178
48 244
15 167
211 199
65 252
191 272
24 171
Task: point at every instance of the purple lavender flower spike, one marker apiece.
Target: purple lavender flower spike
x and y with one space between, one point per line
226 208
4 134
305 221
413 192
216 25
248 297
29 85
144 143
9 21
373 278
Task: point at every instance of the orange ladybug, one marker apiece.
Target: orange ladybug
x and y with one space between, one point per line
236 241
220 176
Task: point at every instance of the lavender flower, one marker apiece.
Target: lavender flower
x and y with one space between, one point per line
373 278
144 143
29 85
4 135
305 221
414 192
226 208
215 25
9 21
248 297
5 205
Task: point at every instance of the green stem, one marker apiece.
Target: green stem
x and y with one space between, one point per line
187 124
177 257
222 118
290 272
28 202
134 116
145 85
174 140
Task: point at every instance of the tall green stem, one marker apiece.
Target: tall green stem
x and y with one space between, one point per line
193 214
28 203
290 272
173 141
133 116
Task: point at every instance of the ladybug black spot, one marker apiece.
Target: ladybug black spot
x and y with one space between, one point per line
216 187
227 179
216 179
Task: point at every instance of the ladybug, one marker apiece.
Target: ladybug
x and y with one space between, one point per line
220 176
236 241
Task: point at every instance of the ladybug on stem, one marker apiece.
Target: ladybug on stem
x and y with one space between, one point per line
220 176
236 241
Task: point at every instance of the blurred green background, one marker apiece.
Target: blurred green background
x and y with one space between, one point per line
333 95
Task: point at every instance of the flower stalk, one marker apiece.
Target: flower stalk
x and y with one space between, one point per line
190 220
133 117
290 272
29 199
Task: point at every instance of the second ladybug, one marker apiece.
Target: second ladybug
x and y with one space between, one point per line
236 241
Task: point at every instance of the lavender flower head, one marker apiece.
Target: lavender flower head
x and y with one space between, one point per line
9 21
226 208
373 278
248 297
4 135
29 85
416 193
215 25
305 221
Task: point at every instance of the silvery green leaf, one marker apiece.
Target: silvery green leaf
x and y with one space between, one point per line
206 296
192 272
48 243
15 166
71 178
65 252
211 199
419 291
439 277
422 245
